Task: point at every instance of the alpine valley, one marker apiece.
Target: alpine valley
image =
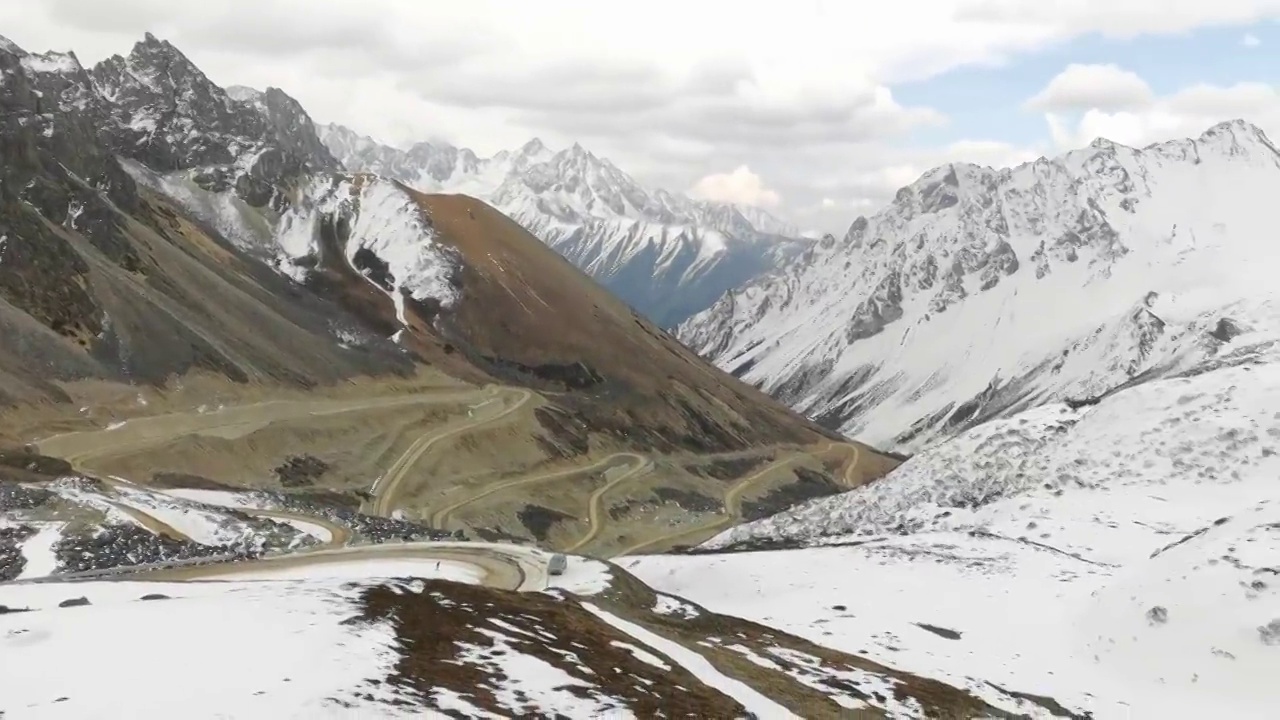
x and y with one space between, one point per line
295 424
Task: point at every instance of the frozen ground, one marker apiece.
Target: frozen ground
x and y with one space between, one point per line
752 700
263 643
202 523
210 650
582 576
1122 558
336 640
38 550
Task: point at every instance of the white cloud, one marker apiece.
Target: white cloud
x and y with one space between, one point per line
671 92
1186 113
1250 40
740 186
1081 87
1118 18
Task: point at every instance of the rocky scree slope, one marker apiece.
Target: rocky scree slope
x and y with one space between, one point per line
663 253
979 292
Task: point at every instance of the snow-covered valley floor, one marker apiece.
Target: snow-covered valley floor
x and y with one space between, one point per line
1122 558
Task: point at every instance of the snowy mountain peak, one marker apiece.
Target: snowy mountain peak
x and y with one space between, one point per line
165 63
533 147
1239 137
976 291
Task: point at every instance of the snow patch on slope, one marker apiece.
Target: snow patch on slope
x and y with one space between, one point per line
750 699
271 651
226 213
51 62
384 221
1133 544
38 551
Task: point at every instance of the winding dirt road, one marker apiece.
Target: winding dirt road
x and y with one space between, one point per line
733 499
440 517
498 402
595 505
507 567
151 522
228 422
339 535
850 466
490 404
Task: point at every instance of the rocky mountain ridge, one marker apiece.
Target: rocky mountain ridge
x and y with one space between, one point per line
665 254
978 292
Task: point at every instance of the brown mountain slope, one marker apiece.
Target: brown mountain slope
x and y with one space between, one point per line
531 318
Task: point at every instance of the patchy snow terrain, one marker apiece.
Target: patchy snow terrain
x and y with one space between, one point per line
342 640
250 650
978 293
1121 557
753 701
665 254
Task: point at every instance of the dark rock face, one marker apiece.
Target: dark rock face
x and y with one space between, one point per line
1227 330
883 307
301 471
169 116
539 520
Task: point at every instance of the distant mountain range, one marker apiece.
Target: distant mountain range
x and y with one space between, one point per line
665 254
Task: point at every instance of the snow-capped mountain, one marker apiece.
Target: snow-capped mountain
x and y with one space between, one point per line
156 107
665 254
979 292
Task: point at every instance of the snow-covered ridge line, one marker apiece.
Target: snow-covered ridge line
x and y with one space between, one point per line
978 292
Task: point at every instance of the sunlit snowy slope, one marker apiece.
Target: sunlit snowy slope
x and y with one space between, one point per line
1122 558
980 292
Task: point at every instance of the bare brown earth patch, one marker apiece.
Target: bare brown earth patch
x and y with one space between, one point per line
448 639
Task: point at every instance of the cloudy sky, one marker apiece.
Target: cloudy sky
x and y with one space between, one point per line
815 109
